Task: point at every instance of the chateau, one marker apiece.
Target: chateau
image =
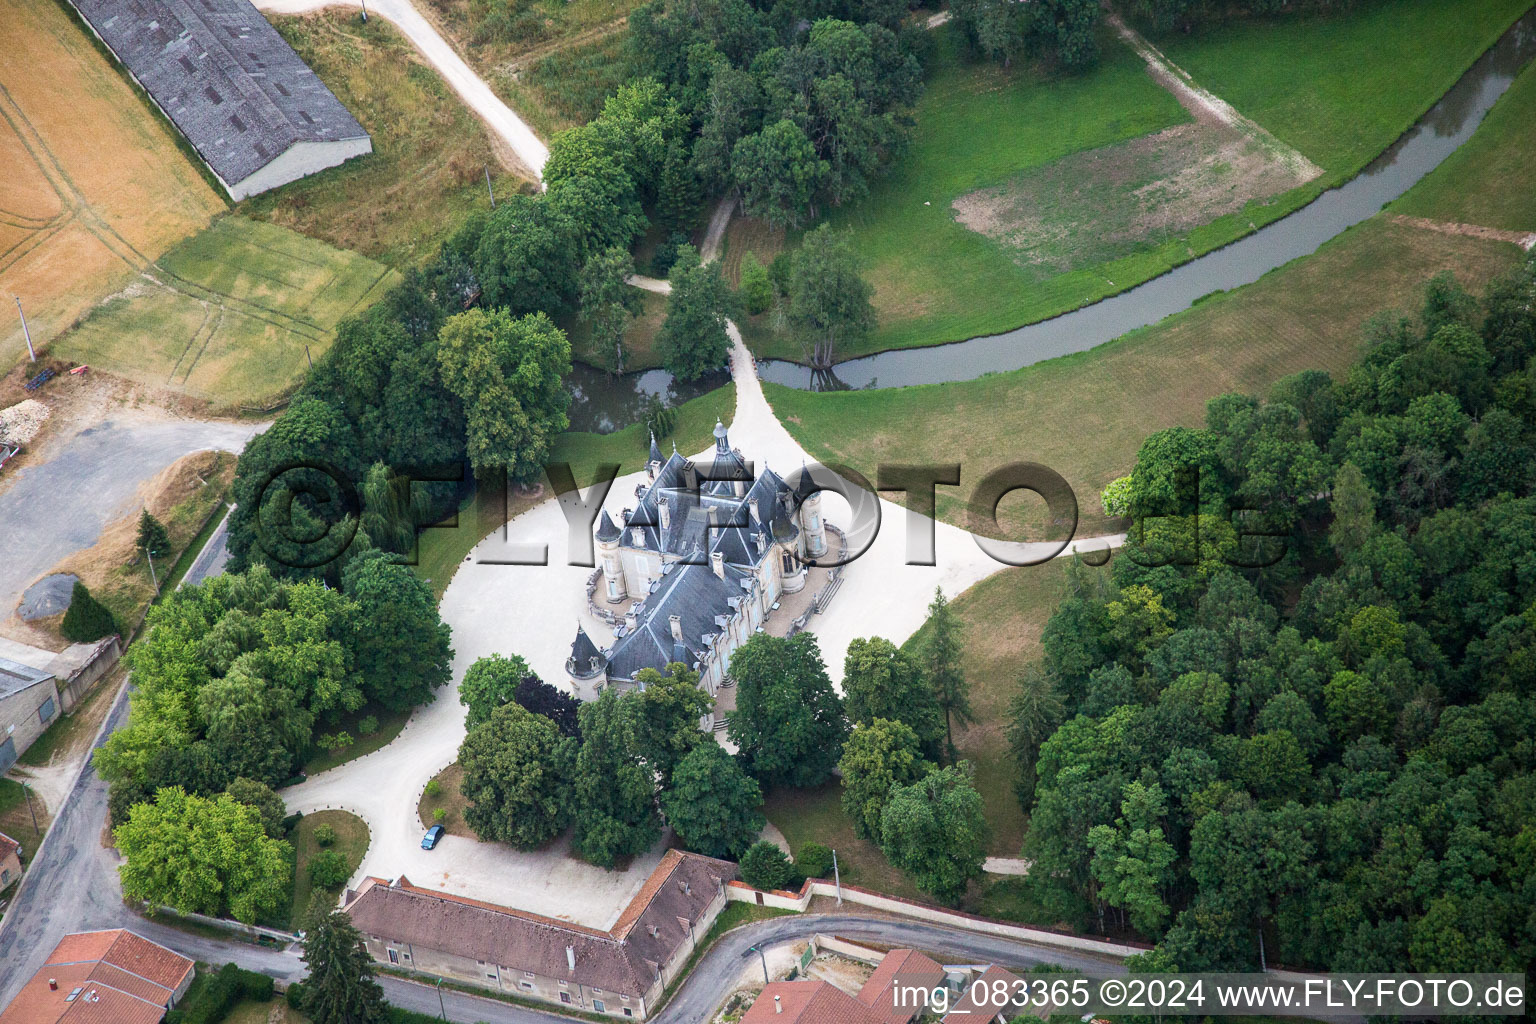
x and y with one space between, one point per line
695 568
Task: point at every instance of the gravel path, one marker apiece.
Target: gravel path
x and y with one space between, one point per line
55 508
499 117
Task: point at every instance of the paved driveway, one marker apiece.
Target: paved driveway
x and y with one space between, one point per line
55 508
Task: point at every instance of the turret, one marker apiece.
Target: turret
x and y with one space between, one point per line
608 536
587 666
813 529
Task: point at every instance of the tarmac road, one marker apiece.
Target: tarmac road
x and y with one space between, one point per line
58 507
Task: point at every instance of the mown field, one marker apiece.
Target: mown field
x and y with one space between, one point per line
1342 87
1491 180
430 153
80 211
233 315
1085 415
1339 89
351 843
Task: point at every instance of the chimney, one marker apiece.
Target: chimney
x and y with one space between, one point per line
666 513
53 984
631 619
637 536
677 627
717 562
570 958
778 1007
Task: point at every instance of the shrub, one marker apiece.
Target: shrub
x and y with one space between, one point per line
439 814
1116 497
814 861
765 866
335 741
325 835
87 619
778 272
211 1002
256 986
291 822
295 995
433 788
327 870
756 289
368 726
666 254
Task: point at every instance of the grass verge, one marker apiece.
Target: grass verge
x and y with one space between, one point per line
816 816
448 798
351 843
430 152
1491 180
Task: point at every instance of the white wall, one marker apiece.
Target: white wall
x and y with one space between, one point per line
297 161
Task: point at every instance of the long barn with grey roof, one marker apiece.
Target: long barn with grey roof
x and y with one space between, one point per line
253 110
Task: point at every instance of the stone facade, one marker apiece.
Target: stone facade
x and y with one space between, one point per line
619 973
29 703
695 568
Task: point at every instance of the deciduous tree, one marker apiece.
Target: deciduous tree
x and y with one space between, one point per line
517 778
789 723
712 805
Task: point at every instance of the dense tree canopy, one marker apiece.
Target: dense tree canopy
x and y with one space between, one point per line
712 805
693 338
205 856
517 778
615 791
1335 748
789 724
340 988
880 680
936 831
879 756
235 676
491 682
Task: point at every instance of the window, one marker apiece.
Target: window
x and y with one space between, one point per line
239 124
628 1012
305 115
613 590
213 94
186 65
280 88
527 986
565 997
491 975
527 974
5 877
394 956
597 1004
45 713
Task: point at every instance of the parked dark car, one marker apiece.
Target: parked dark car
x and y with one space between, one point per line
430 840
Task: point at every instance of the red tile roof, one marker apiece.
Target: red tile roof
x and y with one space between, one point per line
8 846
115 977
908 969
808 1002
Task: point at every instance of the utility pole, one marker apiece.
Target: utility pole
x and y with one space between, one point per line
837 878
151 556
25 788
309 357
365 21
488 187
31 352
442 1010
760 956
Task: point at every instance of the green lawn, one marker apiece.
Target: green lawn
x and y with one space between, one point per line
1342 87
980 126
1491 180
816 816
695 423
389 725
1085 415
242 308
351 843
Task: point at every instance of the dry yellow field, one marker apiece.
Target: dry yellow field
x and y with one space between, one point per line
81 210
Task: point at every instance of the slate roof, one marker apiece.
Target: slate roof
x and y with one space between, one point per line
626 960
607 529
15 677
221 72
701 601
